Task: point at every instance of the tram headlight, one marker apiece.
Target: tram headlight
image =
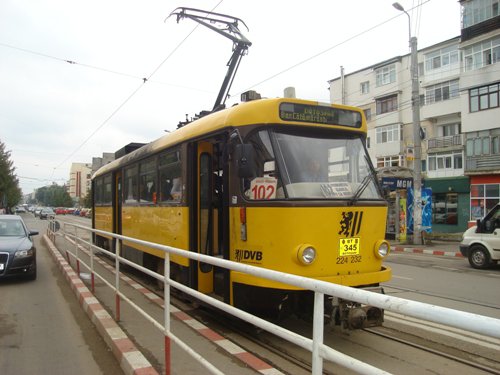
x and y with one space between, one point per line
306 254
382 249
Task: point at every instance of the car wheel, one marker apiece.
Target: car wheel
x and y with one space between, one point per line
479 257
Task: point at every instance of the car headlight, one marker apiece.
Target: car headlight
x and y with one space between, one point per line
23 253
306 254
382 249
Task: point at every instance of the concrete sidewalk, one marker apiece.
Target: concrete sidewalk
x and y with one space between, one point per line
434 247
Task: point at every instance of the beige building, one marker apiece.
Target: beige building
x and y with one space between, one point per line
79 180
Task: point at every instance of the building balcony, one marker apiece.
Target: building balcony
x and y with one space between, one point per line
482 164
480 28
445 143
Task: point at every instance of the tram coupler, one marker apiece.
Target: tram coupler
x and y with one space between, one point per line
353 315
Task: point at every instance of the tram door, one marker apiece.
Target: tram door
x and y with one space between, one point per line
208 213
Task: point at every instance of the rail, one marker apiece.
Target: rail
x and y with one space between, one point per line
319 351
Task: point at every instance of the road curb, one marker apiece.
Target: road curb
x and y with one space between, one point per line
416 250
131 360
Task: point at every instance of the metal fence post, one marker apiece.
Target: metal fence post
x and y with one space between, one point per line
91 250
117 279
318 326
166 311
76 253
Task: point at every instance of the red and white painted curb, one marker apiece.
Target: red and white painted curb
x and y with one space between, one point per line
228 346
131 360
416 250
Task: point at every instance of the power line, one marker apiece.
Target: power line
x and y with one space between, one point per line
325 51
132 94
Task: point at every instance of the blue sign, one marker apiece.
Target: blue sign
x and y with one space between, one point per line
394 183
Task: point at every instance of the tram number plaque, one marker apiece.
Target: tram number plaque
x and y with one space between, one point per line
349 246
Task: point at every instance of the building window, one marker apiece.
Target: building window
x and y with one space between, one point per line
390 161
482 54
443 161
385 75
484 97
449 130
387 104
365 87
368 114
389 133
482 143
444 208
475 12
442 59
443 91
483 197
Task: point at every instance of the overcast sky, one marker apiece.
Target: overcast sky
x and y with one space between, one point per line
71 72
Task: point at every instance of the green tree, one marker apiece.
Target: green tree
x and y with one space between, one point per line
87 201
54 196
10 193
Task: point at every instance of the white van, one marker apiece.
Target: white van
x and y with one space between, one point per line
481 243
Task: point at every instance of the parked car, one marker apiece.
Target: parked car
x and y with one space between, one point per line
17 249
20 210
61 211
37 211
47 213
480 243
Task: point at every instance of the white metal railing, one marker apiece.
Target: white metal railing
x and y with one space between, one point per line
466 321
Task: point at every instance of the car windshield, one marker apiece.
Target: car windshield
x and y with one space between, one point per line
11 228
310 166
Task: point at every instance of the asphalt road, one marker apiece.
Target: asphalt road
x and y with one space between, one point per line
445 281
43 329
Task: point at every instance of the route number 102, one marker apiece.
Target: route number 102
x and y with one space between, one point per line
263 188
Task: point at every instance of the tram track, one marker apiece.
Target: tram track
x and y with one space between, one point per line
437 352
438 295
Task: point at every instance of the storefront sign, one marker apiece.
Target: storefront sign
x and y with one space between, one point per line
394 183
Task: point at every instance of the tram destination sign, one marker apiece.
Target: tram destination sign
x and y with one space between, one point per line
319 115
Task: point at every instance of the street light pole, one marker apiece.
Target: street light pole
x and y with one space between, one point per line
417 148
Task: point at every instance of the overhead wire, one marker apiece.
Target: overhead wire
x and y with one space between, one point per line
148 78
120 106
324 51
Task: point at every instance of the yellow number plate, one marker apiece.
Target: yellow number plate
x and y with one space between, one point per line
349 246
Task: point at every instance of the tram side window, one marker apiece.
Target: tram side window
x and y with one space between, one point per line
147 181
170 177
106 194
98 199
130 186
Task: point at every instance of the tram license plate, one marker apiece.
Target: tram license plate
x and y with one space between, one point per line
349 246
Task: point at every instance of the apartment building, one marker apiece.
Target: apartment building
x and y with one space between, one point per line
459 117
80 180
479 94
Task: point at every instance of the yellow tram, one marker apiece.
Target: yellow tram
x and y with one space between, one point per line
283 184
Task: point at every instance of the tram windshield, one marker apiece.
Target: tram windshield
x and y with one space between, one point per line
310 166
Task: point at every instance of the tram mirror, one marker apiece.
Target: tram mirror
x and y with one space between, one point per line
245 159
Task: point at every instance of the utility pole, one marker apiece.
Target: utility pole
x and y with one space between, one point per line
417 148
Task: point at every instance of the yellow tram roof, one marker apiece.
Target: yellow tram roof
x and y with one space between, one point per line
263 111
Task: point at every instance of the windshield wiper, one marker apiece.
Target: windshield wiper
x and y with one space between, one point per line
361 188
